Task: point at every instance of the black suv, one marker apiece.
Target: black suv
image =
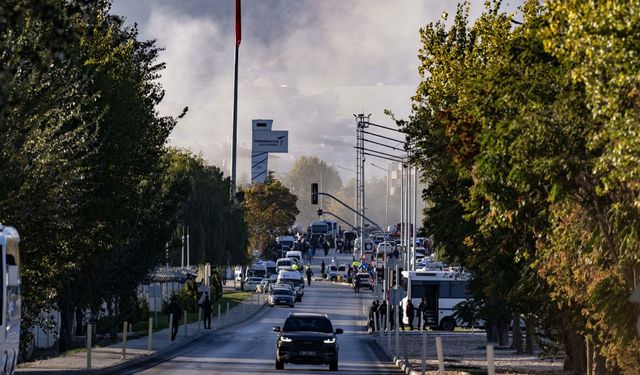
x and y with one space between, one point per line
307 339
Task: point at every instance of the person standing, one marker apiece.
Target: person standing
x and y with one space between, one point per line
322 265
174 309
373 311
309 274
410 311
400 316
422 311
207 310
325 247
382 312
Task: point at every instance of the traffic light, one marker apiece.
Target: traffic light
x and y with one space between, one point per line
314 193
320 212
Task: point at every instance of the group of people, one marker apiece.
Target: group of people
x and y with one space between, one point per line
378 315
174 313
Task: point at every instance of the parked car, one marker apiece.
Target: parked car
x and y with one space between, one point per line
363 280
297 291
250 283
307 339
282 296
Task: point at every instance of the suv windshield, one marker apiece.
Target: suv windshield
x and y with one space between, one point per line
314 324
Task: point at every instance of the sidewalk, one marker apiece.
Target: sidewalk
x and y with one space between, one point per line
109 360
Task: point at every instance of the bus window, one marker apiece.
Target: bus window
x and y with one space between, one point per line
444 290
458 289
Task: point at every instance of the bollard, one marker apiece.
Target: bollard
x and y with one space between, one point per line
424 352
89 346
226 316
491 368
185 323
219 317
125 325
375 324
170 325
440 356
389 334
150 337
199 318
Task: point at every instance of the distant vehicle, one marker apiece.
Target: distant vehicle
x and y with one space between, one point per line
293 254
386 248
258 269
272 268
10 322
282 296
293 277
285 243
251 283
443 290
332 272
285 264
307 339
363 280
319 227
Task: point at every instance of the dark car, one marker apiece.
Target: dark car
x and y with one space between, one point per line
307 339
363 280
281 296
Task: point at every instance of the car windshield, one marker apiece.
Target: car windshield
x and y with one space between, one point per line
314 324
362 277
281 292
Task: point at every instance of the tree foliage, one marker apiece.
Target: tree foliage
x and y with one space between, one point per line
270 210
305 171
526 135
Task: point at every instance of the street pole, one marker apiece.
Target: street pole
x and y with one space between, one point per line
182 254
188 255
415 213
235 103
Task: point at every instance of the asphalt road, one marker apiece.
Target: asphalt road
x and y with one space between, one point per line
250 348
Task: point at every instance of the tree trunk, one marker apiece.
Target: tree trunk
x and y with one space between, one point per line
578 351
492 333
66 321
79 322
503 335
517 343
530 323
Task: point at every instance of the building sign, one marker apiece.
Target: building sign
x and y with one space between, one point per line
271 141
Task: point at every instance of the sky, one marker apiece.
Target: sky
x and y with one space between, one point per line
309 65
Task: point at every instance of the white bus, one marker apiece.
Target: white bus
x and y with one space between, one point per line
443 290
10 299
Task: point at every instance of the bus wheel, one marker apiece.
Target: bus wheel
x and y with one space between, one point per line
448 324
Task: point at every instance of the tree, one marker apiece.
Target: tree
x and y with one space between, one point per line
270 210
305 171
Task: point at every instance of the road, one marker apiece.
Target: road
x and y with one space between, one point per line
250 348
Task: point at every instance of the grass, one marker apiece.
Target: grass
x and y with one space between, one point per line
232 297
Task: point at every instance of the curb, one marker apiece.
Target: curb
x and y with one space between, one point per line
119 367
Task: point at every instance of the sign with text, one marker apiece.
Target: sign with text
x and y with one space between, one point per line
271 141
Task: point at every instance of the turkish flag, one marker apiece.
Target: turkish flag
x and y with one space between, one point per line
238 26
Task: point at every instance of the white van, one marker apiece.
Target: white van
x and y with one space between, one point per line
285 264
293 277
295 254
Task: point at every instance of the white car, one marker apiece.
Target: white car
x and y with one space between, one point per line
251 283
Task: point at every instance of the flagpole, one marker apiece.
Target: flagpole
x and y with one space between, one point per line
235 102
235 123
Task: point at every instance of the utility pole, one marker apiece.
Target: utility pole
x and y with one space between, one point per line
234 144
361 122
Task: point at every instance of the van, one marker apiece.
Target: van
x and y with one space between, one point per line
285 264
293 277
294 254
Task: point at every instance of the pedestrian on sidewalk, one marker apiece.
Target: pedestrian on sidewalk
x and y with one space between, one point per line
382 313
400 316
373 311
175 309
322 265
422 311
325 247
207 310
410 313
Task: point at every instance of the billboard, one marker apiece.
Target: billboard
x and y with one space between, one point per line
270 141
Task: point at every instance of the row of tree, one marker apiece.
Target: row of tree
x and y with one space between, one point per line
528 131
86 175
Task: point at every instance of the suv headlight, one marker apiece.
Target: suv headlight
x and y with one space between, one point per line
285 339
330 341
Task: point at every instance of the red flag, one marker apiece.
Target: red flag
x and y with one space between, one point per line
238 27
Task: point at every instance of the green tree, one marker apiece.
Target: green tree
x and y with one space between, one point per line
270 210
305 171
